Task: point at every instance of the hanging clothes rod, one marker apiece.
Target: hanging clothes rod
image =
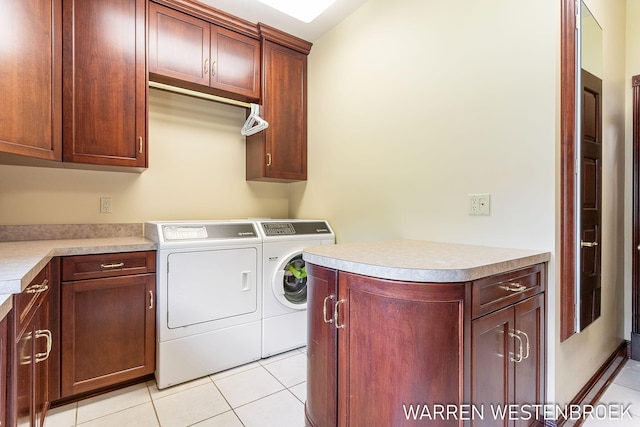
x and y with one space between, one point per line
193 93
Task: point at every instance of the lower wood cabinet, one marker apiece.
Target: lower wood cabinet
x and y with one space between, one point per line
107 320
4 337
379 350
32 344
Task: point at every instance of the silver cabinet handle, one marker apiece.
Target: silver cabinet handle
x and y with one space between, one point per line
335 314
268 159
140 144
324 309
527 345
37 288
584 244
214 68
150 300
518 357
206 66
40 333
108 266
514 287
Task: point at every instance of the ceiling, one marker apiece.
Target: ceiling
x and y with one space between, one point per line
254 11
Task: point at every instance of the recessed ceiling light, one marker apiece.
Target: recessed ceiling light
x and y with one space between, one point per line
305 10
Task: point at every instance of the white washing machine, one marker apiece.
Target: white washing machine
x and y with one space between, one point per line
284 308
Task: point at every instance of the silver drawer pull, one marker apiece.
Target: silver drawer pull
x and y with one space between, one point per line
150 300
37 288
108 266
514 287
324 309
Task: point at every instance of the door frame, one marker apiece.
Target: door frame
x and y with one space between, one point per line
635 257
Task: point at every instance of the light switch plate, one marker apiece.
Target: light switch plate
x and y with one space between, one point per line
479 204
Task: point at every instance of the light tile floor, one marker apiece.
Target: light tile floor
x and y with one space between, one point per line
267 393
624 390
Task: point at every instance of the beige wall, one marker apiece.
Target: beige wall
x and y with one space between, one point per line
197 167
415 104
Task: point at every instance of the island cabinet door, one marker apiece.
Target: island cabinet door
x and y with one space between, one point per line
400 352
322 352
492 367
507 373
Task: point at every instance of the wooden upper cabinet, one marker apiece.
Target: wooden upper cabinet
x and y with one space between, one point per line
31 78
279 153
104 83
186 50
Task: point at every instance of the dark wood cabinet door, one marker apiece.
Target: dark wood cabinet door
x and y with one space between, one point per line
387 335
22 405
32 350
108 331
42 348
31 78
530 370
279 153
4 362
492 355
235 63
178 45
322 350
104 83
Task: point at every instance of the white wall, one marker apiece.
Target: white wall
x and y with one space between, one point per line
415 104
197 171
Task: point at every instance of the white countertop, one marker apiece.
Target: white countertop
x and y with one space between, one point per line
20 262
422 261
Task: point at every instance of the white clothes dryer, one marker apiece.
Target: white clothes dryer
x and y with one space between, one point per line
209 297
284 308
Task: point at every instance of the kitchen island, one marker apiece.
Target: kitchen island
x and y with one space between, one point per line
420 333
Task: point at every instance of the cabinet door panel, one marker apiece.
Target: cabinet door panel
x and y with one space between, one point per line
42 342
31 78
104 82
279 153
492 368
178 45
235 63
108 331
529 373
381 370
4 360
286 109
322 350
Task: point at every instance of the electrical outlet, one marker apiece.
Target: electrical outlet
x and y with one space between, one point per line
105 205
479 204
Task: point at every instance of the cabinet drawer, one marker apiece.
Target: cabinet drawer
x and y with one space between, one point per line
32 295
82 267
495 292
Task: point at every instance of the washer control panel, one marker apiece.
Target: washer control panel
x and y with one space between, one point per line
283 228
278 228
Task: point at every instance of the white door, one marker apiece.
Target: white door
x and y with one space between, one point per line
210 285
